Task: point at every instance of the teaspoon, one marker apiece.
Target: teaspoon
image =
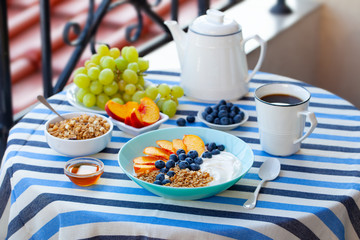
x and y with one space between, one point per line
47 104
269 170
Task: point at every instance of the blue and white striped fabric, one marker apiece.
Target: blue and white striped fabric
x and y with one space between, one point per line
316 195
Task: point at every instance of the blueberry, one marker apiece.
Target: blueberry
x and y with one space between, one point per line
211 146
159 164
206 155
223 107
217 120
160 177
222 102
231 121
164 170
222 113
215 113
170 173
235 109
209 118
216 106
170 164
193 154
242 114
182 156
229 105
208 110
179 151
224 121
190 119
181 122
158 182
183 164
237 118
232 114
221 147
165 181
194 167
173 157
215 152
204 114
189 160
198 160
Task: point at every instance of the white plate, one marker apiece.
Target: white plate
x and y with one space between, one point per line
71 97
223 127
137 131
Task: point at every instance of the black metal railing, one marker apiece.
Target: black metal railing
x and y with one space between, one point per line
86 37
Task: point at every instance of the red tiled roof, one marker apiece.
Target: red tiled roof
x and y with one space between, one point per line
25 44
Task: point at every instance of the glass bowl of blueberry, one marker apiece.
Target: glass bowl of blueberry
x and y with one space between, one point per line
223 116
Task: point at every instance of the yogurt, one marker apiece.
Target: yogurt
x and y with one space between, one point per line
222 167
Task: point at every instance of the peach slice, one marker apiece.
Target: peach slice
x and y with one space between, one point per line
179 144
155 151
128 121
147 160
120 111
149 111
141 169
167 145
194 142
135 118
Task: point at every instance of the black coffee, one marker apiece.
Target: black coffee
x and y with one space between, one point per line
281 98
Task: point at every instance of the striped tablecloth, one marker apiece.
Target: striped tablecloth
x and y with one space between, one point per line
316 195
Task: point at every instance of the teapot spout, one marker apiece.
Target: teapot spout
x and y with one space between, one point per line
179 37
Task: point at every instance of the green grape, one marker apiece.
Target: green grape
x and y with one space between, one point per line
82 81
133 66
106 76
164 89
117 95
107 62
79 70
86 63
89 100
111 89
101 100
130 76
114 52
130 89
123 51
131 54
122 85
117 100
103 50
90 65
80 93
177 91
95 58
160 102
141 80
169 108
151 92
143 64
96 87
126 97
121 64
93 73
175 100
138 96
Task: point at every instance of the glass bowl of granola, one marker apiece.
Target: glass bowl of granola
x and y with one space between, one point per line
186 163
80 134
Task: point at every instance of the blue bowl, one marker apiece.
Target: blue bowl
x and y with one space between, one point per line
233 144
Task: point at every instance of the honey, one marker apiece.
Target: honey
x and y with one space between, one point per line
84 171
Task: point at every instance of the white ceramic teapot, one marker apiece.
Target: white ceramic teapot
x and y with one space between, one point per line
212 57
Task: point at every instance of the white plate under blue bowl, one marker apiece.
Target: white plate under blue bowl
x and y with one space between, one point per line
233 144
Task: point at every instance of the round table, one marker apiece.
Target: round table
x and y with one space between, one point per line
316 195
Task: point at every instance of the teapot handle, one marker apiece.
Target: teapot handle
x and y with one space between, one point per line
262 43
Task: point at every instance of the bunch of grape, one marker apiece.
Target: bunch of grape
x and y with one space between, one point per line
107 75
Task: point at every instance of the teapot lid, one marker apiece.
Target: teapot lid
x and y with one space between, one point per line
214 23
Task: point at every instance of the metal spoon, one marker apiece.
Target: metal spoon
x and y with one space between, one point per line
47 104
269 170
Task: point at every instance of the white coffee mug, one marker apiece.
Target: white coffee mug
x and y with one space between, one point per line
281 113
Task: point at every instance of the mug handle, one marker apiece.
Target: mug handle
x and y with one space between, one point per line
313 124
262 43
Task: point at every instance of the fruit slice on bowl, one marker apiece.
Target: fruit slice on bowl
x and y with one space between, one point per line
166 145
194 142
147 160
179 144
149 111
155 151
141 169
